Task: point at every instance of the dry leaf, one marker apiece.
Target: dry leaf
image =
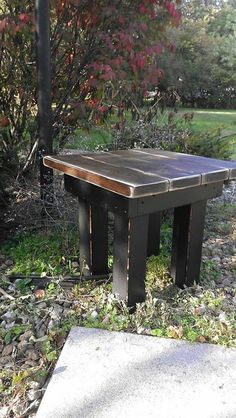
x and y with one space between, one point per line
39 293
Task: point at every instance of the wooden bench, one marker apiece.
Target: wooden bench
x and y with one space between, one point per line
136 185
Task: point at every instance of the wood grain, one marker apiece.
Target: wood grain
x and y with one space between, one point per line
143 172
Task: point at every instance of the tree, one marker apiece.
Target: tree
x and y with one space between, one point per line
104 56
103 53
203 68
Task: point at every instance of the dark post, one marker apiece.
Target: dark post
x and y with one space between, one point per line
44 98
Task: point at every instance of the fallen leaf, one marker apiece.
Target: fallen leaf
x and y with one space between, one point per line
39 293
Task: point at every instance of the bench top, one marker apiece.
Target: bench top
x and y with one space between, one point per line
142 172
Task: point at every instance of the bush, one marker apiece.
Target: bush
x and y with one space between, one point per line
142 134
213 144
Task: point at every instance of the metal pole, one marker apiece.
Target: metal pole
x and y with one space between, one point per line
44 97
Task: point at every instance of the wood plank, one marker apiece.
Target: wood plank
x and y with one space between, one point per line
99 240
84 241
179 254
120 256
138 228
176 174
174 165
154 225
196 232
126 182
212 163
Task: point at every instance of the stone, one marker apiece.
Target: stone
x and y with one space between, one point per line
22 347
41 332
33 394
94 314
3 266
26 336
128 375
9 263
226 282
6 361
32 354
9 316
4 412
42 305
7 350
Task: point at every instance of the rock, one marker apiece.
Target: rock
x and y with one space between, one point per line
223 318
33 394
6 361
7 350
41 332
22 347
53 323
75 264
10 325
200 310
9 263
226 282
32 354
2 258
94 314
3 266
9 316
18 409
26 336
42 305
34 385
4 412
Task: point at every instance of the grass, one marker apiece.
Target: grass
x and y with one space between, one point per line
207 119
42 252
191 314
213 132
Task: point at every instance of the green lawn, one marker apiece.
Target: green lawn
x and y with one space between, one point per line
205 119
209 126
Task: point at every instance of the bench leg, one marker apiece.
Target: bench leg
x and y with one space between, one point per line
198 212
153 246
84 238
93 227
99 240
129 266
187 243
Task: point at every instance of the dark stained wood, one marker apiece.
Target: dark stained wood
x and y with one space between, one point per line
196 231
176 198
129 265
150 165
99 240
212 163
154 226
126 182
138 232
135 173
179 256
120 256
84 242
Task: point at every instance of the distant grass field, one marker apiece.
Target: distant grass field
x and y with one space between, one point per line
207 125
206 119
217 126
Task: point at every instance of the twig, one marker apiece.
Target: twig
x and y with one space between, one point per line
6 294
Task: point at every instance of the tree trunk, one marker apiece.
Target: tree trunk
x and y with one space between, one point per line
44 99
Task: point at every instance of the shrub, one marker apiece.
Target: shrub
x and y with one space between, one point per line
142 134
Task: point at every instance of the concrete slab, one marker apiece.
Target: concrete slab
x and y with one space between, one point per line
102 374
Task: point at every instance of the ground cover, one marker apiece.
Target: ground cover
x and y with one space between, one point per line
35 321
